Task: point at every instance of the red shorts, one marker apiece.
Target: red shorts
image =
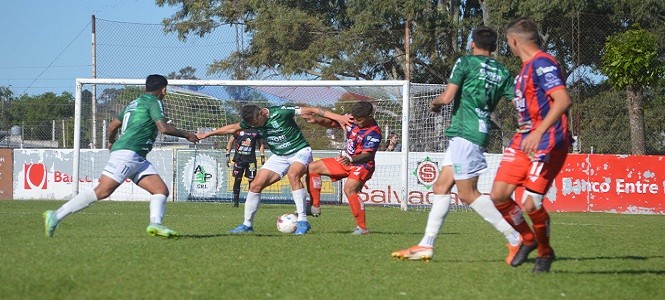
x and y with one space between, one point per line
339 171
537 176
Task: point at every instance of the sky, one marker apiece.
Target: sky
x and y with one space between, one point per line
46 44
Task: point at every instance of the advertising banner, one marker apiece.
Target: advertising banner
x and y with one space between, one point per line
202 175
6 164
47 173
385 187
610 183
587 182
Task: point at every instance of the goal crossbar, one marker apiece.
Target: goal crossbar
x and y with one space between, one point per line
403 84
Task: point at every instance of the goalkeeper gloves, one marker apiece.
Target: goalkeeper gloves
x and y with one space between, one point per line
263 159
228 159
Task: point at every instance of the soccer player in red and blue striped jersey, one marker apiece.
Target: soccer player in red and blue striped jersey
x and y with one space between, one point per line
539 147
356 162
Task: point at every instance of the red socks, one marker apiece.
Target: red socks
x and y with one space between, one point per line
512 213
357 210
314 188
541 226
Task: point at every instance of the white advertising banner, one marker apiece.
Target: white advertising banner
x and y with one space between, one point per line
385 188
47 173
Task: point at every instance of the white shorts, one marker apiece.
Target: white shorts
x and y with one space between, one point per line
125 164
280 163
466 158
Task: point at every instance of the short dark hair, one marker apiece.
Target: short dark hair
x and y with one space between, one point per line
362 109
485 38
155 82
249 112
524 27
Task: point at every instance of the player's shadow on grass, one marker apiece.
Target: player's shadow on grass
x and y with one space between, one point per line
216 235
610 272
372 232
623 257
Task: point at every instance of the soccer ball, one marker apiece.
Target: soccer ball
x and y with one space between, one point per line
286 223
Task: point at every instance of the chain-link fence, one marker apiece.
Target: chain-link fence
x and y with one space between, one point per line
599 118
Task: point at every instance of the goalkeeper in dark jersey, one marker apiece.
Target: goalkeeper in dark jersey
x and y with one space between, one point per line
244 144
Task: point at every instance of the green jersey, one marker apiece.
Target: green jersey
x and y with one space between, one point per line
482 81
138 124
281 132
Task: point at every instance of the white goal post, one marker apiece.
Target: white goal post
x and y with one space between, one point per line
396 93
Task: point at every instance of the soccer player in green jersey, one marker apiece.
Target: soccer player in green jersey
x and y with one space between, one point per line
476 84
139 121
291 154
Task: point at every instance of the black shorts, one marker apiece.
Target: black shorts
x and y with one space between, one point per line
244 168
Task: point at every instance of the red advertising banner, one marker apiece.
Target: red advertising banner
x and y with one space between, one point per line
609 183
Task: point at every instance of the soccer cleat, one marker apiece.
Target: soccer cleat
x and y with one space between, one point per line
360 231
311 211
161 231
315 211
50 222
543 264
414 253
517 255
302 227
242 228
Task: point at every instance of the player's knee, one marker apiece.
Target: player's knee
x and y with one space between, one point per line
531 201
349 191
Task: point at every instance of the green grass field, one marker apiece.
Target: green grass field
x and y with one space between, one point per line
103 252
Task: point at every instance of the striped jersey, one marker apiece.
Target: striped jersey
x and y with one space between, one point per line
365 139
538 78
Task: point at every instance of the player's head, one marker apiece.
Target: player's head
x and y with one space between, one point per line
485 38
362 112
252 115
156 85
520 32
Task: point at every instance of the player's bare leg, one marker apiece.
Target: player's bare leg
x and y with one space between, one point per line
296 171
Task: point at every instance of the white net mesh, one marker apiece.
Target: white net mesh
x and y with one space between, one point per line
200 106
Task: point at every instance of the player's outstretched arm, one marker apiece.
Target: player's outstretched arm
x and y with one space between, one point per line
227 129
316 119
167 128
343 120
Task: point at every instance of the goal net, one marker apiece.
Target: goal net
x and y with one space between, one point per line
407 164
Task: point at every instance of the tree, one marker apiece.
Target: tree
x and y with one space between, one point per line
184 73
632 62
334 39
6 95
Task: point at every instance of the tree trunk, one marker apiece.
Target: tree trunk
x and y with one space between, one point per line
486 12
455 10
636 120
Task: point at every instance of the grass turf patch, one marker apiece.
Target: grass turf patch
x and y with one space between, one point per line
104 252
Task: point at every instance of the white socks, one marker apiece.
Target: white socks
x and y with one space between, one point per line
484 206
157 208
299 197
79 202
251 206
440 208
